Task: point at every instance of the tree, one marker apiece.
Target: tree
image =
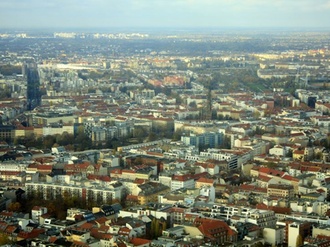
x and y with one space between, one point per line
289 153
299 241
4 239
138 161
177 135
259 244
177 97
226 142
15 207
10 69
5 93
157 229
51 208
82 141
64 139
318 155
113 143
34 141
152 136
140 133
164 226
152 228
48 141
256 114
193 105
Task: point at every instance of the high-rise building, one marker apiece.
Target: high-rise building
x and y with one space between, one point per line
33 85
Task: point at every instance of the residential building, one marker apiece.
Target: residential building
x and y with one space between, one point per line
297 232
36 212
274 235
85 192
182 181
280 190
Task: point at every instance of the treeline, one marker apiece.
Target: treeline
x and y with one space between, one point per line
195 48
8 69
79 142
5 93
56 207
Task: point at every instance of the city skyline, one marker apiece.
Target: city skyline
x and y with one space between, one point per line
16 14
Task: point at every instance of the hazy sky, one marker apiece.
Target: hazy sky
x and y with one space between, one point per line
164 13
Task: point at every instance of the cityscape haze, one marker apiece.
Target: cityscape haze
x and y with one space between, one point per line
87 14
165 123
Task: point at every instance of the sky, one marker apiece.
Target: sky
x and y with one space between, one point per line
45 14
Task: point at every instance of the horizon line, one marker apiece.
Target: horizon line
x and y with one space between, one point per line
162 29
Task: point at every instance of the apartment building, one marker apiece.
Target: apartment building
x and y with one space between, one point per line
280 190
85 192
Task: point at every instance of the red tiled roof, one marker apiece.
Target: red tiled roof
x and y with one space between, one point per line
127 171
10 229
10 173
205 180
45 168
300 152
104 228
79 244
124 231
33 234
264 178
86 226
101 220
210 227
99 177
270 171
201 175
116 171
277 210
52 239
182 178
251 188
140 181
139 241
177 209
290 178
131 198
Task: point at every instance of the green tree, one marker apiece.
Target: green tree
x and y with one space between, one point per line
82 141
